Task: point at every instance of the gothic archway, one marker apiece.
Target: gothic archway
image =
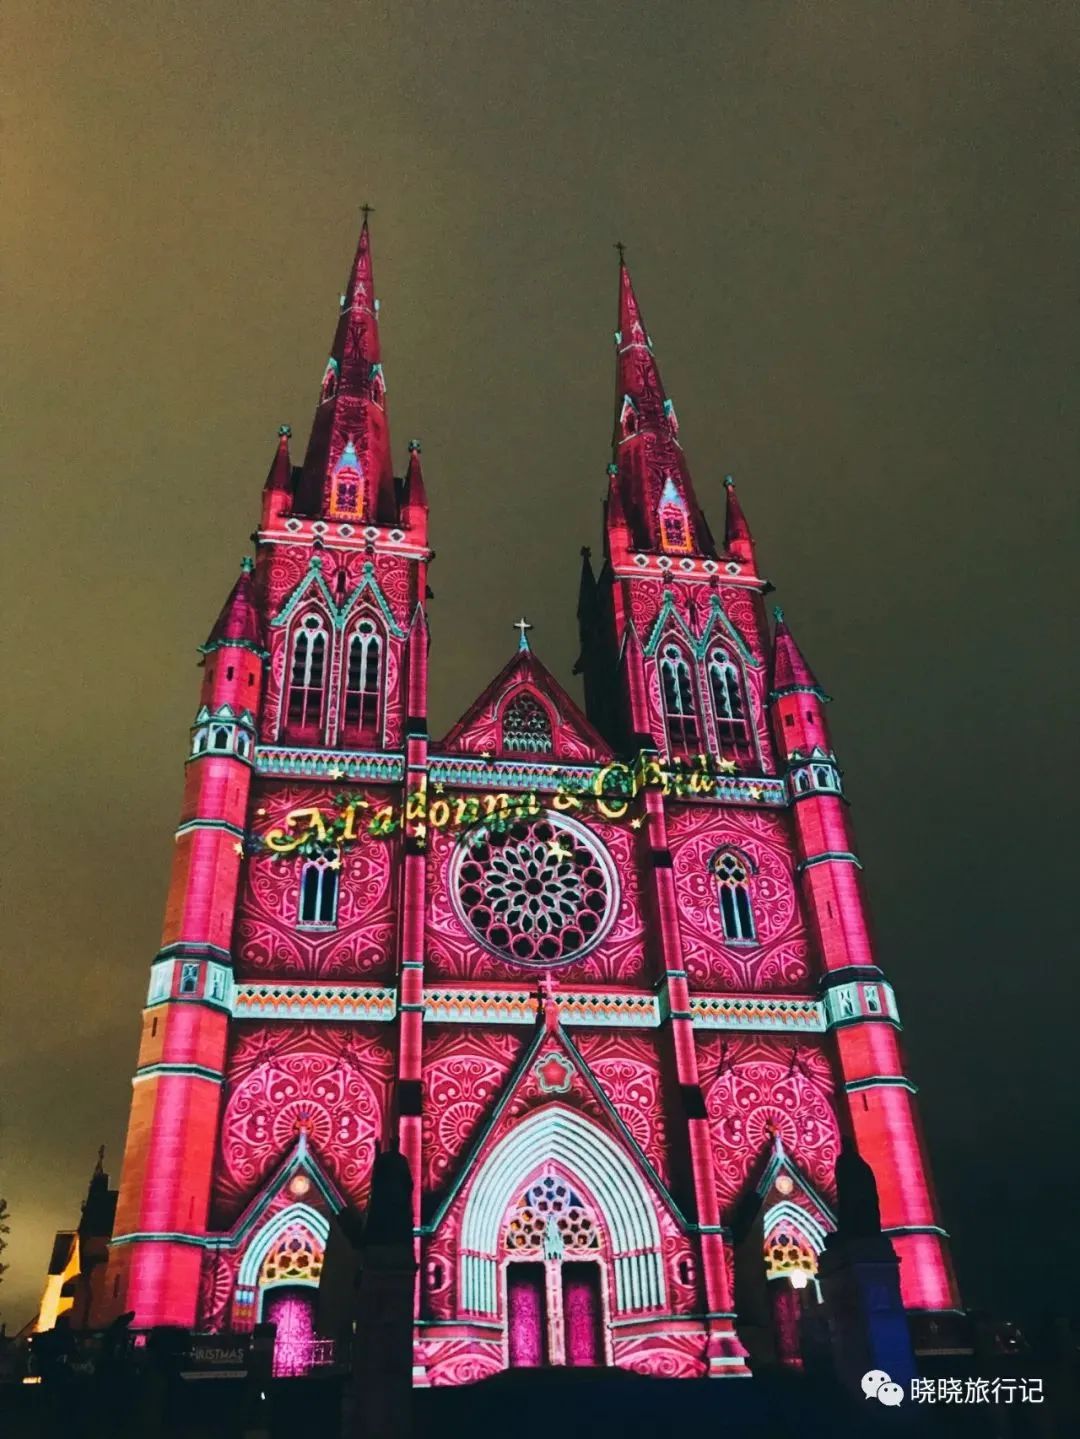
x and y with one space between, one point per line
611 1202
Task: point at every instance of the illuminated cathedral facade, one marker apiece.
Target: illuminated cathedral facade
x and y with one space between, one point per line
604 977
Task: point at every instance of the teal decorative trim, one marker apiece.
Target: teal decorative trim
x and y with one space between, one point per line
285 761
234 645
180 950
527 1059
468 1323
338 615
198 1241
840 856
717 617
880 1081
509 774
189 826
189 1071
779 1160
799 690
902 1229
368 581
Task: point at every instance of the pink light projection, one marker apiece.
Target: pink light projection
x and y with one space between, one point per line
596 1033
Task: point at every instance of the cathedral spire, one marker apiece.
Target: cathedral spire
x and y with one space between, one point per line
654 482
347 470
790 672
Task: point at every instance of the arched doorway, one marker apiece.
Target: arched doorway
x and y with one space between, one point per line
556 1307
559 1237
793 1239
283 1265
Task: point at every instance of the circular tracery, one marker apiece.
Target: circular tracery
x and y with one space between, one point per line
540 893
547 1203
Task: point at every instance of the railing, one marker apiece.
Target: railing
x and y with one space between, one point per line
300 1357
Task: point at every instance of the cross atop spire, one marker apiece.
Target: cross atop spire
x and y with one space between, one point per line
622 251
523 626
365 211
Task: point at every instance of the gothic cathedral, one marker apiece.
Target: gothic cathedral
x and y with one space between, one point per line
606 979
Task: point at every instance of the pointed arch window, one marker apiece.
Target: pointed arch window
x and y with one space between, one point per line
729 704
347 486
526 727
680 704
732 874
363 683
307 677
674 520
319 888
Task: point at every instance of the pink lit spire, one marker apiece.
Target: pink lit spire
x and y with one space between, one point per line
790 671
347 469
653 476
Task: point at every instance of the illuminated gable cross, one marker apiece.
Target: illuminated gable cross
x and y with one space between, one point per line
523 626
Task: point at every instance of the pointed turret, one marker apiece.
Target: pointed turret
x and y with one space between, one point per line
790 672
277 491
586 607
738 541
239 622
347 470
656 491
99 1206
414 503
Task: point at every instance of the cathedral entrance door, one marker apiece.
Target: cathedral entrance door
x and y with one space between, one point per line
527 1315
292 1309
583 1313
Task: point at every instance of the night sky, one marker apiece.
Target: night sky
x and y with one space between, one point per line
853 230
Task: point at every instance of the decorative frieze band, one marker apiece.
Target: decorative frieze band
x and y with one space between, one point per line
760 1012
314 1001
461 1004
285 762
517 775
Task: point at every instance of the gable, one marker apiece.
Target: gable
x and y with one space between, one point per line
526 714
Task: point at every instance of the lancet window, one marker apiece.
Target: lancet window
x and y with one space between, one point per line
363 677
307 676
680 703
732 874
526 727
729 706
319 887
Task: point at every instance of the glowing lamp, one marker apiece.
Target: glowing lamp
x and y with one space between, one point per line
799 1278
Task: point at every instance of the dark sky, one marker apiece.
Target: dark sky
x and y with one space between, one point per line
853 229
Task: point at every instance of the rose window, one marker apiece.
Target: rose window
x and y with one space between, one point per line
550 1216
542 892
786 1253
